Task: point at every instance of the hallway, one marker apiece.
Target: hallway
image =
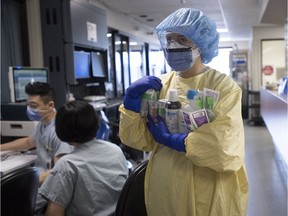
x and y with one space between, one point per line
267 192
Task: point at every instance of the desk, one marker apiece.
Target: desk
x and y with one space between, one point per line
116 102
11 161
274 110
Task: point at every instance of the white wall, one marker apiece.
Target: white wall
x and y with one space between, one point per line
128 26
131 27
34 33
260 33
242 45
254 51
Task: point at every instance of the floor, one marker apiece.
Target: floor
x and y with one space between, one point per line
267 191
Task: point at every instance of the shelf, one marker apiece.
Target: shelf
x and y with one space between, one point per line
254 108
256 121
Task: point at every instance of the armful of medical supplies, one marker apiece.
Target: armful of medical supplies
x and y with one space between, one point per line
198 110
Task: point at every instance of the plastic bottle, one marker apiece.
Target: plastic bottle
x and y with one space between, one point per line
173 107
210 99
209 108
162 108
194 101
149 95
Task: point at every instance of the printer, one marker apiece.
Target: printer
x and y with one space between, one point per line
14 121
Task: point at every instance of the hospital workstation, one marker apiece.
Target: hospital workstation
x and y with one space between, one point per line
87 51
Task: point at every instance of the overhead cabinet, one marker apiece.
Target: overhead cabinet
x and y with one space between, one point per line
68 26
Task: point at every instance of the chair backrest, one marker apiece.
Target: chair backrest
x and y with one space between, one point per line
19 192
131 201
104 129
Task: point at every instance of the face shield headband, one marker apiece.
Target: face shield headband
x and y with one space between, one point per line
179 51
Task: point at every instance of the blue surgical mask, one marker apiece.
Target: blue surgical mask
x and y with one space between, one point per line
181 59
33 114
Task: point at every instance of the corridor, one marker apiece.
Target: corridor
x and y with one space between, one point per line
267 191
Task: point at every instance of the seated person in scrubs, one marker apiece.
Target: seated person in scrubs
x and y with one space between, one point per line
200 172
89 180
49 148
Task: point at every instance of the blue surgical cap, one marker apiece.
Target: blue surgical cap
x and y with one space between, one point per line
196 26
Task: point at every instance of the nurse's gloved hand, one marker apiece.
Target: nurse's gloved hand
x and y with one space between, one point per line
162 135
132 98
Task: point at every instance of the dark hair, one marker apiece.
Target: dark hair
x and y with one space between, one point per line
44 90
76 121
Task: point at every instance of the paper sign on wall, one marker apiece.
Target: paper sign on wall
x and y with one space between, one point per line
267 70
92 32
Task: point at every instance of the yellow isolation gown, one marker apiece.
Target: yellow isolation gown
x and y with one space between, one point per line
210 178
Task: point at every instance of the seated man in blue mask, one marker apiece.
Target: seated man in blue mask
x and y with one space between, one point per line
41 108
88 181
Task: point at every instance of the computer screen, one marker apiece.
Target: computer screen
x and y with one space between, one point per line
98 66
19 77
81 64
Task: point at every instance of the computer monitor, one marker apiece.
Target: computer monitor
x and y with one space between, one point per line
19 77
98 65
81 65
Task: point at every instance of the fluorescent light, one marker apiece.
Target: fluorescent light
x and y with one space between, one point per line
119 42
222 39
222 30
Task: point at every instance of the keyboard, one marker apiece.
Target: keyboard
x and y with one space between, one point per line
15 162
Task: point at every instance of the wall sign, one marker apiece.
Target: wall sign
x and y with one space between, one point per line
267 70
92 32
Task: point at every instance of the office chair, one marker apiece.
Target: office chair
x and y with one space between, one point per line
131 201
19 192
104 129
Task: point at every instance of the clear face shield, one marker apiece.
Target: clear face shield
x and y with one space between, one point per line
180 52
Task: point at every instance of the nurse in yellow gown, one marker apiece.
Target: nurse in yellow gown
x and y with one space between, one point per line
201 173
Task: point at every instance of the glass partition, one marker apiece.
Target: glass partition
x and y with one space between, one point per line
130 59
273 62
119 70
157 62
137 63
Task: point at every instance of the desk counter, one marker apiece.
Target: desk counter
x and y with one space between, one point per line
274 111
11 161
114 102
